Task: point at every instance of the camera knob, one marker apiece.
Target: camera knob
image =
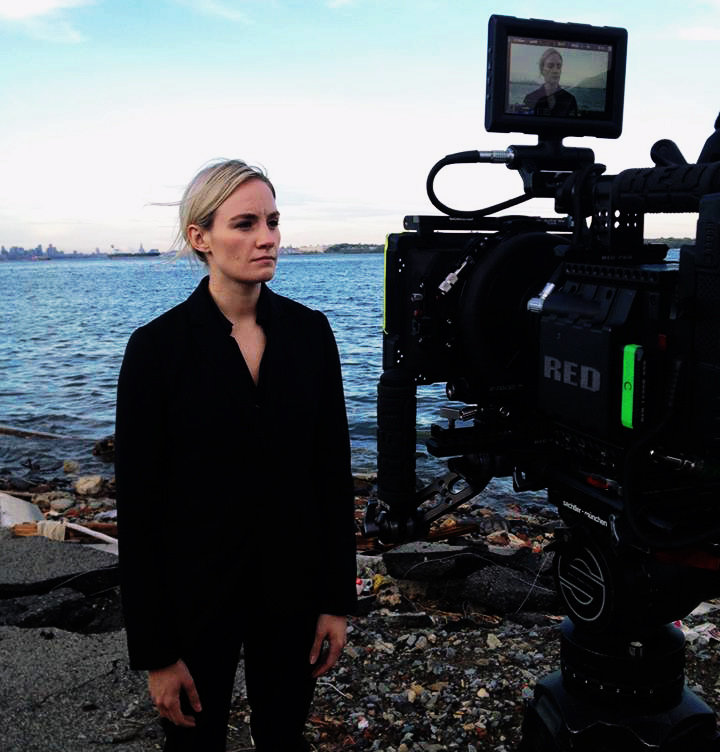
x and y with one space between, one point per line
536 305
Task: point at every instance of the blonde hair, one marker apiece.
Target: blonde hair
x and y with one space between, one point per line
206 192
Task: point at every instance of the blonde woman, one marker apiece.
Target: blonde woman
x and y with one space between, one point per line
550 98
235 498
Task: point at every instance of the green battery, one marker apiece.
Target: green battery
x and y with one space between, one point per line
632 358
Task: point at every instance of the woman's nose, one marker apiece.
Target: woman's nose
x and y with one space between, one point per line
267 235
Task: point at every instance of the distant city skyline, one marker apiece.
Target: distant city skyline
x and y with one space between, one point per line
20 253
111 107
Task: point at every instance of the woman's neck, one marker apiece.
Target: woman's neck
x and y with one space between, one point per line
551 88
237 301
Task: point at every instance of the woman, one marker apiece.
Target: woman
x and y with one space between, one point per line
550 99
235 497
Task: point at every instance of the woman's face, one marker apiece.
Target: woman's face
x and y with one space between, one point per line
242 244
552 68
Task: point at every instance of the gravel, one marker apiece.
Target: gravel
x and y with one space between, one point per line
427 667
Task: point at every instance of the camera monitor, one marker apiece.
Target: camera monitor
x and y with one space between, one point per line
554 79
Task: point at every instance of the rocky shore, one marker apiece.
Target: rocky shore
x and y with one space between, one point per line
450 638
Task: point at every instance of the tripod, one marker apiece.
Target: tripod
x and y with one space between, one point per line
620 687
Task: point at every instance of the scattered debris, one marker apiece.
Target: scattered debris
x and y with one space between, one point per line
105 449
64 530
450 640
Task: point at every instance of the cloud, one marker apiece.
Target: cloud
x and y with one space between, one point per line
43 19
227 10
12 10
700 33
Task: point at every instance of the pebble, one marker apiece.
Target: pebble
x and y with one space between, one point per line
493 641
62 504
458 686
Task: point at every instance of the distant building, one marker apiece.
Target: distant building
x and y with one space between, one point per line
312 248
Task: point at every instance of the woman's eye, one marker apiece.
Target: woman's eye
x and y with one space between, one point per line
273 223
243 225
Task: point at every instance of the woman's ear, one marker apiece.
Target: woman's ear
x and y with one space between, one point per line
196 237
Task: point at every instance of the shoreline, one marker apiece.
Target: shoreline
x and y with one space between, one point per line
442 655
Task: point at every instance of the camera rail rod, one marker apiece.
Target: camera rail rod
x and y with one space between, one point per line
433 223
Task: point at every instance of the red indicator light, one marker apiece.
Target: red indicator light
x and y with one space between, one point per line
597 482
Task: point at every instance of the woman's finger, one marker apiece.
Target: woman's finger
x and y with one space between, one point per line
192 695
316 647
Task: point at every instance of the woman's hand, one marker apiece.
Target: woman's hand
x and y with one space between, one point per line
165 685
333 629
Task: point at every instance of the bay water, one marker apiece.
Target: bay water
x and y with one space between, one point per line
64 326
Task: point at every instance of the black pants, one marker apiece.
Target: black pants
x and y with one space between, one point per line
277 676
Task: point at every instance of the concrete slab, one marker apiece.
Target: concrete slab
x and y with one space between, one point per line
35 565
109 548
63 691
66 692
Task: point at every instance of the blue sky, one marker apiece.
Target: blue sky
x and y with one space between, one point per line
111 105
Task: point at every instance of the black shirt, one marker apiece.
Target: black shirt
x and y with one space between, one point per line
230 495
559 104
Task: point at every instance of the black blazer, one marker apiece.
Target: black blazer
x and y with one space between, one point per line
230 496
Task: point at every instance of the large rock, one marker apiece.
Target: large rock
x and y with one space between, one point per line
88 485
62 503
421 560
505 591
105 449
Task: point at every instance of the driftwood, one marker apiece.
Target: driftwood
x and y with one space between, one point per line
24 433
28 529
24 495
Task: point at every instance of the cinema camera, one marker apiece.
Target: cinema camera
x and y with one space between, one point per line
587 363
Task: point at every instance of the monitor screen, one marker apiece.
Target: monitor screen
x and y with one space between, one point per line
555 79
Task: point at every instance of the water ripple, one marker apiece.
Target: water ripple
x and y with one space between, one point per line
64 327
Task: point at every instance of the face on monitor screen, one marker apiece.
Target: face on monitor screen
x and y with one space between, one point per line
556 78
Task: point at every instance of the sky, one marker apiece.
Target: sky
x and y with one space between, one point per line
109 107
